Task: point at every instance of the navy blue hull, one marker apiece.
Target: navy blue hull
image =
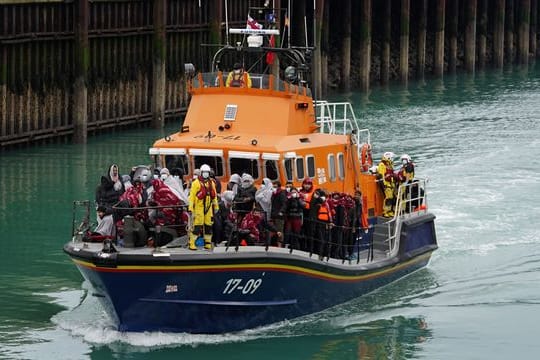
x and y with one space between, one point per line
206 302
225 292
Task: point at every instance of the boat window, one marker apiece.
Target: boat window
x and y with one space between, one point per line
341 166
300 168
310 162
240 166
177 162
332 167
257 81
288 169
271 169
215 162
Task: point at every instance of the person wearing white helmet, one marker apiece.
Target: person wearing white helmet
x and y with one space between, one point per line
203 204
406 173
385 172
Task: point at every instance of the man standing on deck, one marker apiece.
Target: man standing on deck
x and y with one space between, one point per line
385 173
202 205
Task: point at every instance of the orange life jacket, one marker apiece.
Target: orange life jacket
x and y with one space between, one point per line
307 198
324 213
207 188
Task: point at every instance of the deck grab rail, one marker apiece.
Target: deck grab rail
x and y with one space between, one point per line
338 118
411 201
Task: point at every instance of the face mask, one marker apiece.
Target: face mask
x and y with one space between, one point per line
163 177
404 162
205 175
156 176
274 190
323 198
288 188
237 71
176 177
294 195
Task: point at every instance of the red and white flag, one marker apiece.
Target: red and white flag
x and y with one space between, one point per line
253 24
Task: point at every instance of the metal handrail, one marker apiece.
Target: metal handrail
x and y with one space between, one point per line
407 206
339 118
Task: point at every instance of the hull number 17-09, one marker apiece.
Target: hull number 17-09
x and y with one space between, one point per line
239 285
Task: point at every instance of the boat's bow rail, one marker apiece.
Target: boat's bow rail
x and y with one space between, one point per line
339 118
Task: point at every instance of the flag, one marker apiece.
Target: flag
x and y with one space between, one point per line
253 24
270 18
270 55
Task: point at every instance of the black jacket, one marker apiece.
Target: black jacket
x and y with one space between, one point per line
279 204
244 199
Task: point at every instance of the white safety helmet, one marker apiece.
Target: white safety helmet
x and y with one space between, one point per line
389 156
205 171
405 159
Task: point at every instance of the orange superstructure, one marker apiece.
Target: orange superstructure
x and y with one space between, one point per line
270 130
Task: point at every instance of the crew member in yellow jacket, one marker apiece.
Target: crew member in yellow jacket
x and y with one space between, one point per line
385 172
202 205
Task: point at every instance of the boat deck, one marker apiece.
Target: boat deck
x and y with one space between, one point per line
365 256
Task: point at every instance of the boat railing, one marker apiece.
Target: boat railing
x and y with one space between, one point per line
267 82
339 118
411 201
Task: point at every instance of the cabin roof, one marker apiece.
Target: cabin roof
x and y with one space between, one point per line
245 141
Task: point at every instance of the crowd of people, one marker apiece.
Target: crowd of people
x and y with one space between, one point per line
306 218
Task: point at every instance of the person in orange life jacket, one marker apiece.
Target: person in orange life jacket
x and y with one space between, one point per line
324 221
278 209
238 77
293 220
253 225
202 204
385 173
306 193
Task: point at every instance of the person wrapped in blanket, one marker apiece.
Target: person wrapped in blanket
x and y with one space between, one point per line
254 228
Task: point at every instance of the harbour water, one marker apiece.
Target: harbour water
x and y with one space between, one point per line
476 139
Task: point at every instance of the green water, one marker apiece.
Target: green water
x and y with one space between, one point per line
476 139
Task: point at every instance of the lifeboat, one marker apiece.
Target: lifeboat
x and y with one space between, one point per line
148 279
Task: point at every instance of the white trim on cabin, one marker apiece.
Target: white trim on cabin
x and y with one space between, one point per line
244 155
270 156
290 155
206 152
167 151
